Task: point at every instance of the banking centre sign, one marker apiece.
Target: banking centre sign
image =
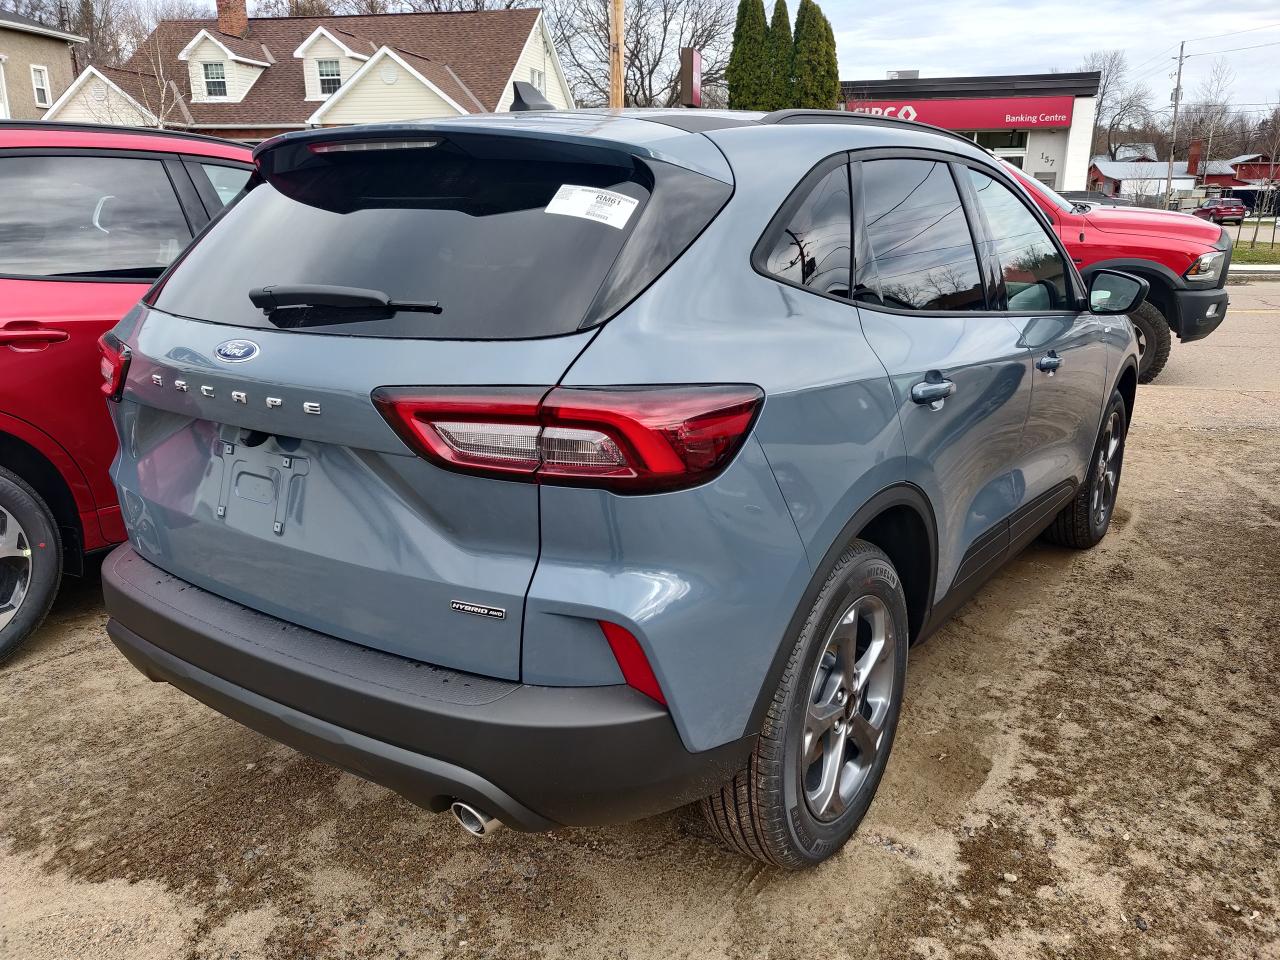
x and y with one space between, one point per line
982 113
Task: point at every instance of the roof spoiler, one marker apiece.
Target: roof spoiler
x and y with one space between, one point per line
525 96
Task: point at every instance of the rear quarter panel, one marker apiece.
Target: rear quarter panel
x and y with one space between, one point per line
709 579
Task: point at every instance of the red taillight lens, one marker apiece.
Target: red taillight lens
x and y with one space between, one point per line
631 659
113 364
628 439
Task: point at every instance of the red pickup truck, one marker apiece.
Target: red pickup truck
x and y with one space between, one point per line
1184 258
90 216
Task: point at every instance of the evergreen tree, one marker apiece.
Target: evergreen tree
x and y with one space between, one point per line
748 70
817 83
781 58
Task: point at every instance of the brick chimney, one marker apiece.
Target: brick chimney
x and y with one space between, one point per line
1194 152
233 17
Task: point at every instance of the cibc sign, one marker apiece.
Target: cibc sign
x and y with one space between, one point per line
984 113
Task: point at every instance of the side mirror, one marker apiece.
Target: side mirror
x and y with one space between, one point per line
1112 292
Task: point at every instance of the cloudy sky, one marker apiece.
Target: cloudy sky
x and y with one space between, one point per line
945 38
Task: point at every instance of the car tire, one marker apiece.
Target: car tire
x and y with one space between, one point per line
845 674
30 562
1154 341
1083 522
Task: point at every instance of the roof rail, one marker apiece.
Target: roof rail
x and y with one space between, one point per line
111 128
864 119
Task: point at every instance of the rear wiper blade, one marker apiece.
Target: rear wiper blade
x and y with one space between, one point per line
276 296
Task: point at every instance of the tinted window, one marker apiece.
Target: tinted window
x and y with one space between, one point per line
88 216
918 253
512 238
812 250
227 181
1035 276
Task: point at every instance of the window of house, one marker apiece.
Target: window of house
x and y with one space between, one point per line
109 217
812 249
919 253
40 85
215 79
330 76
1035 276
538 78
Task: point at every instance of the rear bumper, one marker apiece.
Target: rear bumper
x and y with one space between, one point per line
534 757
1199 312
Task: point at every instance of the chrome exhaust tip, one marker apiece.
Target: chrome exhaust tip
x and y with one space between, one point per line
472 820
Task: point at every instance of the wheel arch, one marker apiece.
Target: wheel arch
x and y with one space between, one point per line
39 471
1161 280
1127 384
900 521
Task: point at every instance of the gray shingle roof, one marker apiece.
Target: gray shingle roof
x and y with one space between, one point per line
470 54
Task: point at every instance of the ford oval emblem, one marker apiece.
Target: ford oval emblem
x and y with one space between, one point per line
236 351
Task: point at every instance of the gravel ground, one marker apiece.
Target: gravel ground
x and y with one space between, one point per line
1088 766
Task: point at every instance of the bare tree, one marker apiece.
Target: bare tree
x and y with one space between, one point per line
1114 67
655 32
1129 111
1211 114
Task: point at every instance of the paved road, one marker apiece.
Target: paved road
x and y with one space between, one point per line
1089 766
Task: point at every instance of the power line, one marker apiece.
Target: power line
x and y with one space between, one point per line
1236 33
1214 53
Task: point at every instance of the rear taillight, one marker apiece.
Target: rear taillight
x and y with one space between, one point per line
113 364
627 439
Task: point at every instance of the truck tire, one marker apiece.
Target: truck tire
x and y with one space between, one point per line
30 562
1084 521
1154 341
829 729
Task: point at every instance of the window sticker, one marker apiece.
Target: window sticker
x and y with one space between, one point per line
593 203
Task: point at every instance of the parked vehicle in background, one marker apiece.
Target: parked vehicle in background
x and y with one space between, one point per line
89 217
1184 260
1222 210
563 473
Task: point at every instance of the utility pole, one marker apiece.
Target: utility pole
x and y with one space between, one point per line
1173 138
615 54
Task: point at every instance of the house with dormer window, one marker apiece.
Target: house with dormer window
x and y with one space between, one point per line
249 78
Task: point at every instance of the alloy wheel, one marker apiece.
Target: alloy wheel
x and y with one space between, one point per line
849 702
15 566
1106 473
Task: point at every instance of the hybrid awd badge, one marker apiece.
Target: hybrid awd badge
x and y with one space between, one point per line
479 610
236 351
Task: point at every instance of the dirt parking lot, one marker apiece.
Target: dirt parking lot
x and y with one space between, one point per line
1089 766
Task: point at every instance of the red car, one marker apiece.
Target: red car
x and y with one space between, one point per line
1183 258
1221 210
89 217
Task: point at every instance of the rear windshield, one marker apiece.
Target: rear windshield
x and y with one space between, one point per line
507 238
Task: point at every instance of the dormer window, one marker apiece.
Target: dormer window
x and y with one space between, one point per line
330 76
215 79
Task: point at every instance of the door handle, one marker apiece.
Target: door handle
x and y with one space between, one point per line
18 338
1049 363
933 389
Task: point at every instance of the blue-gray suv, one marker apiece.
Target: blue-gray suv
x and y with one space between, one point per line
563 468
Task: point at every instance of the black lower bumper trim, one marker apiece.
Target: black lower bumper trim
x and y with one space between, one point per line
534 757
1199 312
423 780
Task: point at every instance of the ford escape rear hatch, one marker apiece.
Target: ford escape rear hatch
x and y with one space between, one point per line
254 462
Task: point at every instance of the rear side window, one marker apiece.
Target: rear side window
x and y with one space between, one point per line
812 249
227 182
110 217
1034 273
511 237
919 252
